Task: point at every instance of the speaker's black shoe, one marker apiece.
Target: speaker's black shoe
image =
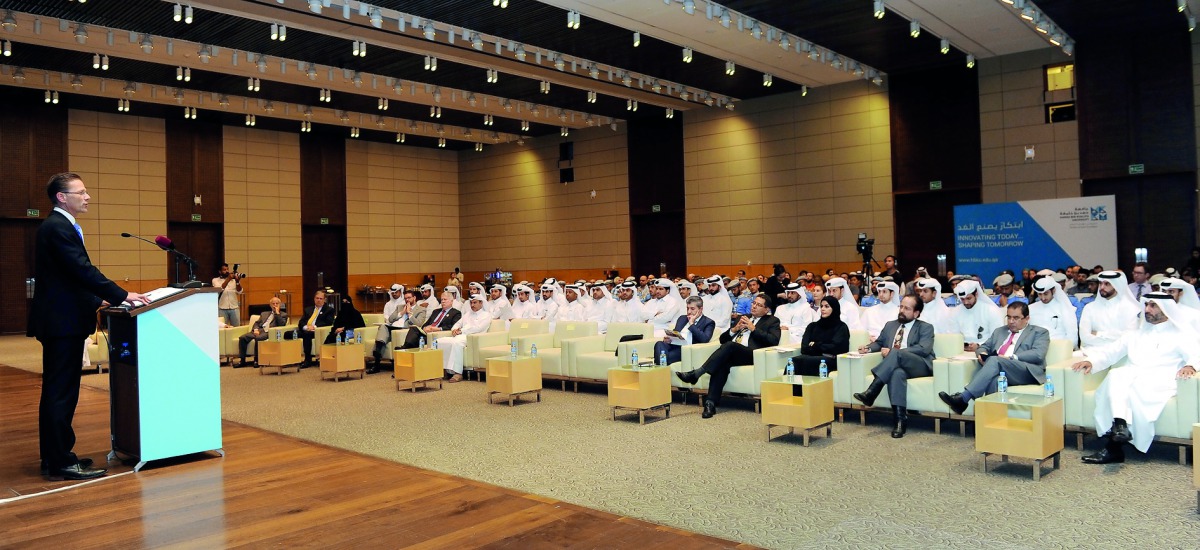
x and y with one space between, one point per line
901 417
689 377
76 472
710 409
956 402
1106 455
1120 431
85 462
872 392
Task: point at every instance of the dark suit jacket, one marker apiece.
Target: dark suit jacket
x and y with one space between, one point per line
702 329
69 288
919 339
1031 346
765 334
276 321
452 316
324 318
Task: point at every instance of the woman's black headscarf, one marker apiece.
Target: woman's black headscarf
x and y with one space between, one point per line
835 316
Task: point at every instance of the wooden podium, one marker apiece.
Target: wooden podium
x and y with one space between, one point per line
165 397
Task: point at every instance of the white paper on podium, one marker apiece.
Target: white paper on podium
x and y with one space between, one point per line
155 295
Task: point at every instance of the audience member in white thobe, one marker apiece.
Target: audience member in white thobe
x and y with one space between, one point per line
840 290
687 289
574 309
978 316
427 299
717 305
1113 312
628 307
549 303
1131 398
601 310
1185 296
665 308
935 311
795 314
1052 310
475 321
525 307
873 318
498 305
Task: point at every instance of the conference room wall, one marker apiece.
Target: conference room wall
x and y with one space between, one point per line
402 206
122 160
1012 99
516 215
1195 36
262 209
789 179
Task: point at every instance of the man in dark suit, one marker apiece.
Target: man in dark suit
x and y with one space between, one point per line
906 345
319 315
261 330
1019 349
695 327
69 290
760 329
442 318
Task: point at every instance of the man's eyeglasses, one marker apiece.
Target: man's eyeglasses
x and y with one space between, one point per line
80 193
1014 318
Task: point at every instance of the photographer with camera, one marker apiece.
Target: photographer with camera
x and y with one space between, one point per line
230 283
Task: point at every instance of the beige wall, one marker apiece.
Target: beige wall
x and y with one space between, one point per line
262 208
402 208
789 178
1012 115
122 160
516 215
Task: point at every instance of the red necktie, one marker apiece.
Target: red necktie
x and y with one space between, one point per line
1007 343
437 322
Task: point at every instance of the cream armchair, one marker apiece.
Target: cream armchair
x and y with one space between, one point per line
592 356
922 392
744 380
228 339
552 347
481 347
470 357
693 356
97 350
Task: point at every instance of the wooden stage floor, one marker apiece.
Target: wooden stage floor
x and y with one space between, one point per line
278 491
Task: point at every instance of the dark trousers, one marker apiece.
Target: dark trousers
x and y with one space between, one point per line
308 340
244 343
674 353
729 355
1018 373
62 366
810 365
896 369
412 339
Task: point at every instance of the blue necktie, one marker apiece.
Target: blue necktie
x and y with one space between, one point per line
80 231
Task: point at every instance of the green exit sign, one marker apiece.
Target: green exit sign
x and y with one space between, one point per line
32 212
324 221
195 217
935 185
1135 169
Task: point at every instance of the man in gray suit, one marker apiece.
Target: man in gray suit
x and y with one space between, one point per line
261 331
907 348
1019 349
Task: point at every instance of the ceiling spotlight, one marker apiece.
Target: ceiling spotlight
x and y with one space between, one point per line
656 86
670 112
559 63
803 90
315 6
429 31
1069 47
879 11
631 105
689 7
274 31
593 71
637 38
9 23
262 64
282 33
785 42
687 55
400 137
326 95
573 18
877 80
305 126
359 48
1029 14
383 104
970 61
945 46
311 72
488 120
725 18
500 3
520 53
253 84
123 105
187 15
354 132
756 31
95 61
564 131
184 74
1191 22
476 42
1182 5
591 97
914 28
147 44
1057 38
76 82
81 34
493 76
768 80
683 93
442 142
205 54
376 18
544 87
251 120
524 125
357 80
626 79
478 147
730 68
178 13
19 75
430 63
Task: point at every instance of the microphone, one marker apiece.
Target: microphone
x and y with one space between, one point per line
164 242
128 235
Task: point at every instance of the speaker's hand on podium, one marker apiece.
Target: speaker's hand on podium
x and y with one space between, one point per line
137 299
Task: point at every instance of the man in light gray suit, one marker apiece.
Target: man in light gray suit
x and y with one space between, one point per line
1019 349
261 330
907 348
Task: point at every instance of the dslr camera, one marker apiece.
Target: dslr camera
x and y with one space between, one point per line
234 272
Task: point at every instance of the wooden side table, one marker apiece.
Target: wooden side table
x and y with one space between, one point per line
811 410
1013 424
280 354
639 390
344 359
514 376
417 366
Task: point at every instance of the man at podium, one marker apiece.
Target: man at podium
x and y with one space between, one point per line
69 289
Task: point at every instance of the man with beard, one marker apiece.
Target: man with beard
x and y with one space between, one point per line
906 345
601 309
525 307
795 314
717 305
1017 349
1052 310
934 311
628 308
978 317
1113 313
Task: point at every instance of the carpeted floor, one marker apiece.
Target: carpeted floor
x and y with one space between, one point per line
858 489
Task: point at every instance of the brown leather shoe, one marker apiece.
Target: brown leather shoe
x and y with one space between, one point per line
456 378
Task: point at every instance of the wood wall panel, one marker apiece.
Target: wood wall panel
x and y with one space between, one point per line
33 147
322 180
935 130
656 178
195 166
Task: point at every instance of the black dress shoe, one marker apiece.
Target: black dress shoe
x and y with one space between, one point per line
710 409
241 364
689 377
372 369
85 462
866 398
1106 456
901 416
1120 432
76 472
955 402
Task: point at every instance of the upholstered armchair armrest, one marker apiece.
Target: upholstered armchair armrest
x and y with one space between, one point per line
1073 387
951 376
373 319
644 347
770 362
368 339
487 340
1187 394
859 370
436 335
572 347
694 356
543 341
398 336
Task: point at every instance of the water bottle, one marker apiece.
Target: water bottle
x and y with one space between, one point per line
512 352
295 333
358 337
824 369
533 350
634 359
350 336
421 343
662 358
435 343
790 369
278 335
1002 383
1048 387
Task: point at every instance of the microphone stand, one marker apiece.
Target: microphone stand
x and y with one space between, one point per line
192 281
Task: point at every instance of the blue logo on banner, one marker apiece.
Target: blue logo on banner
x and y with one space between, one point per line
1099 214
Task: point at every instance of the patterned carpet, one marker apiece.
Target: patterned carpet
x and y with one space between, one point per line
858 489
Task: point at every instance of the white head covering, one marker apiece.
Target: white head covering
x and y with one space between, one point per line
971 286
603 290
522 287
479 297
426 288
1170 308
453 290
1060 297
889 285
690 286
1120 284
580 290
1189 298
397 287
850 312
